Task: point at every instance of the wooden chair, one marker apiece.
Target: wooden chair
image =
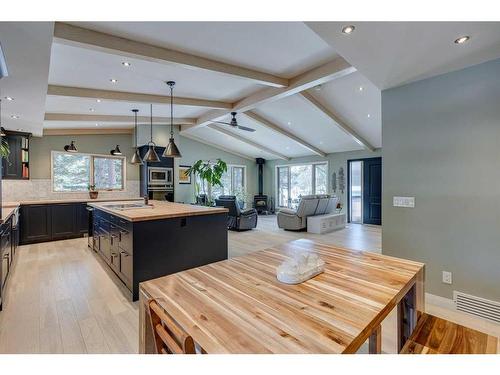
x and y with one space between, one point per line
433 335
169 337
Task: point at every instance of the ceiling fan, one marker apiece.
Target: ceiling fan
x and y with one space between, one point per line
234 123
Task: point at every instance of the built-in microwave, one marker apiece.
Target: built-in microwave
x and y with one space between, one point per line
160 176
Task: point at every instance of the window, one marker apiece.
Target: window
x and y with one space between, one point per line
75 172
233 182
294 181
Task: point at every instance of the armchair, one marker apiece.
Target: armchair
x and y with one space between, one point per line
237 219
297 219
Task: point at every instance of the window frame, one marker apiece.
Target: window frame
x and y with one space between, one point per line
313 177
91 170
230 172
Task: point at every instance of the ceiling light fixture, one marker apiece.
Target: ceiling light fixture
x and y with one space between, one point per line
318 88
172 151
91 109
96 124
289 123
112 80
98 100
462 39
136 158
15 117
368 115
360 88
126 63
348 29
2 130
9 98
151 156
71 147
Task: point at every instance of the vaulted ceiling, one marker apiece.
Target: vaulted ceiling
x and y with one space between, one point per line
307 89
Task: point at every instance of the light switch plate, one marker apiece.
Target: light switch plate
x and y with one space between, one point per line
447 279
408 202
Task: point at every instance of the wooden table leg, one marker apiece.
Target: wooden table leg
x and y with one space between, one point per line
407 316
420 293
375 341
146 337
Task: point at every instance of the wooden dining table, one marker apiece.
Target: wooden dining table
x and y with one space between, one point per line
239 306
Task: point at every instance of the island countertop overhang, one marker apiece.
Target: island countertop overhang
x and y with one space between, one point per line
160 210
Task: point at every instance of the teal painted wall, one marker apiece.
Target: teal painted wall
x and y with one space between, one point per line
441 145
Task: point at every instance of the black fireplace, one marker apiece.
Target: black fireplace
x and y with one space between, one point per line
260 201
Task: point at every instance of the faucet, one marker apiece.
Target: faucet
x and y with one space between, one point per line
146 200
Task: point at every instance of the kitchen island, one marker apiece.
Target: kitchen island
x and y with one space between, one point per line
142 243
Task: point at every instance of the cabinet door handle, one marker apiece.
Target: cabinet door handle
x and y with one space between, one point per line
114 254
125 254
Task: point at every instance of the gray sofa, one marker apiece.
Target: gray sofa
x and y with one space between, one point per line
309 205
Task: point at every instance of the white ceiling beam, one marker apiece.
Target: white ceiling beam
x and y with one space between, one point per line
77 36
272 126
132 97
61 131
71 117
338 121
327 72
249 142
201 140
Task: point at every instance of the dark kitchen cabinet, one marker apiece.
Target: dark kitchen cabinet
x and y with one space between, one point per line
36 221
6 256
63 218
47 222
16 165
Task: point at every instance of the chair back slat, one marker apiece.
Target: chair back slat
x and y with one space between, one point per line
169 337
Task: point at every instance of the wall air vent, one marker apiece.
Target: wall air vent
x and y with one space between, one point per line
478 306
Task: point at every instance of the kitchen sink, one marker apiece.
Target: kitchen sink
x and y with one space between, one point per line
127 206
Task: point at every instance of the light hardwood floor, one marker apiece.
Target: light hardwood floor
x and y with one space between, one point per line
62 299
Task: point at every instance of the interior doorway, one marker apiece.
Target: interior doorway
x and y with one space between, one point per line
364 201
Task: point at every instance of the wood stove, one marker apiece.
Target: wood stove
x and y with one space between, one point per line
260 201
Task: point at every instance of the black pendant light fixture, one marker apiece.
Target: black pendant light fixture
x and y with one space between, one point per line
151 156
172 151
116 151
71 147
136 158
2 129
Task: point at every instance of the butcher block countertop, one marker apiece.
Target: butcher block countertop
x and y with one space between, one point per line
238 305
160 210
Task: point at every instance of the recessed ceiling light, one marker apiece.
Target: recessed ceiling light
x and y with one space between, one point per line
19 129
112 80
91 109
348 29
318 88
98 100
368 115
14 116
289 123
320 142
360 88
462 39
9 98
96 124
126 63
288 148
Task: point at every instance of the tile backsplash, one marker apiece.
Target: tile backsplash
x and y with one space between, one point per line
34 189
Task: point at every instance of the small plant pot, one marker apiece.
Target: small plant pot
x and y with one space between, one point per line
93 194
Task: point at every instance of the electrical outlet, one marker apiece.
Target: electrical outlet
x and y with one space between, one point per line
408 202
447 277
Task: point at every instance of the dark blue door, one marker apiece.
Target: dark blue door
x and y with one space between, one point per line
372 191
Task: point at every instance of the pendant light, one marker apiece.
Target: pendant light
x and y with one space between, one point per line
71 147
116 151
172 151
151 156
2 129
136 158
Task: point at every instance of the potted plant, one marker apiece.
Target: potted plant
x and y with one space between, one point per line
4 149
93 193
210 173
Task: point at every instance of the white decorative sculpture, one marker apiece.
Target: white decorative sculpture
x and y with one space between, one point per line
302 266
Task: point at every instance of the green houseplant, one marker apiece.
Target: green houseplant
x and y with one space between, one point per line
210 174
4 149
93 193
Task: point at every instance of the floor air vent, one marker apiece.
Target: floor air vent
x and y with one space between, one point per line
477 306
